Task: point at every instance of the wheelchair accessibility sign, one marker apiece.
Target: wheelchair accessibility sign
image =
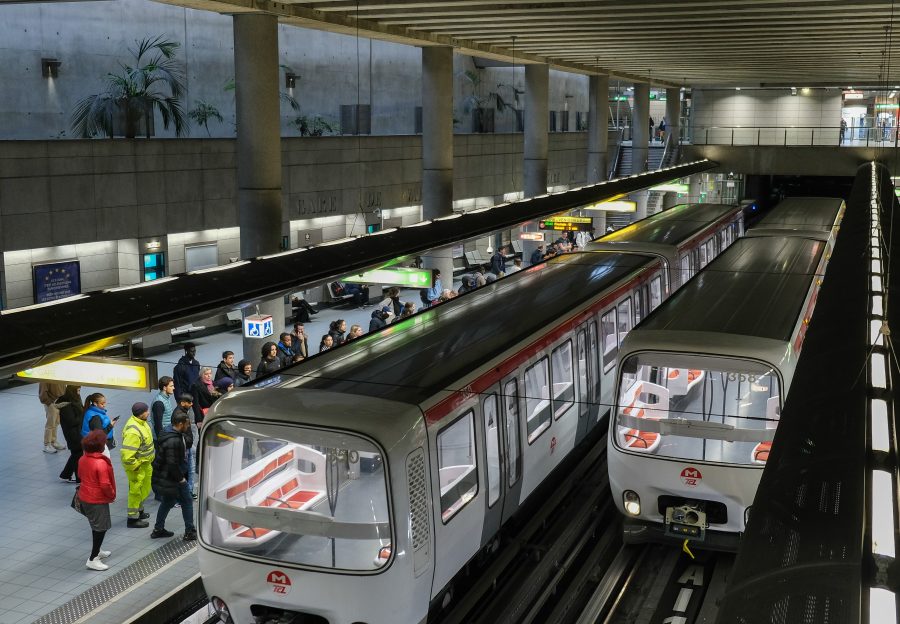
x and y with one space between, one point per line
258 326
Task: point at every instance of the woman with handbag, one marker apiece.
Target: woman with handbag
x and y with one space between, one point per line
96 492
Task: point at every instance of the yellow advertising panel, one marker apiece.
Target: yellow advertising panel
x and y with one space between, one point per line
96 372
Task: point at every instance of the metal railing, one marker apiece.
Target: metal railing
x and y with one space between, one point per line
792 136
611 173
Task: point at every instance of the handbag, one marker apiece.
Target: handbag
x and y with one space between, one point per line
76 502
110 443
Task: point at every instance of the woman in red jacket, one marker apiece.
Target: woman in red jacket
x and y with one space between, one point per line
97 491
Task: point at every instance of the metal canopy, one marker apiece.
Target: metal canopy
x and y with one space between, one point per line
667 42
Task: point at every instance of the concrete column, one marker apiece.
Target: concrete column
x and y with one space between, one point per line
598 138
258 151
537 89
695 187
673 114
669 200
437 132
640 133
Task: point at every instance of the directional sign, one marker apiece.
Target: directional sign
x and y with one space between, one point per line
394 276
258 326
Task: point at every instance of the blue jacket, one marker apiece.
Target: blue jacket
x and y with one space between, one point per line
435 291
186 372
89 414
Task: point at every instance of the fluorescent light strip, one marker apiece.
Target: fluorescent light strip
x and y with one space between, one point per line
337 241
879 374
882 606
221 267
876 267
379 232
876 306
38 306
876 284
881 437
876 252
161 280
882 513
282 254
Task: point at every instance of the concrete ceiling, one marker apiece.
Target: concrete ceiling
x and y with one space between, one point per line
668 42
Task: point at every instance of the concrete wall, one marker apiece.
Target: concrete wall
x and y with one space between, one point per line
766 108
778 160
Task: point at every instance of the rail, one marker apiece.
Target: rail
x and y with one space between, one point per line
793 136
611 173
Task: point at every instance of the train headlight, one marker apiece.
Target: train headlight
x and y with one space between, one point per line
221 610
384 553
632 502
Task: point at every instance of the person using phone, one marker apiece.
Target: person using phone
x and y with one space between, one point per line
95 417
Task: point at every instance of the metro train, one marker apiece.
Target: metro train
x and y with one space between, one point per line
382 467
701 382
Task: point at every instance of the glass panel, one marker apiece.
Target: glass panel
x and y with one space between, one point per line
511 402
583 382
492 447
685 268
608 338
655 292
267 487
703 258
593 354
457 466
624 319
537 400
637 307
697 409
563 378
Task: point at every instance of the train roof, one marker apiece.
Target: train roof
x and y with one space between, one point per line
756 287
419 357
802 215
671 226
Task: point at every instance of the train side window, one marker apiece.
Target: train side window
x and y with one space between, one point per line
563 378
583 379
636 306
608 339
511 406
624 319
703 259
537 400
655 292
492 447
685 268
593 354
457 465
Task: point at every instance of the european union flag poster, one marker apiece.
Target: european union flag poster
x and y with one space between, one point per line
57 280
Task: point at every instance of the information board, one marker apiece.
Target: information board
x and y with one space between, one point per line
56 281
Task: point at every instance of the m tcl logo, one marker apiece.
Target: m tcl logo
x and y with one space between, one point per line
280 582
691 476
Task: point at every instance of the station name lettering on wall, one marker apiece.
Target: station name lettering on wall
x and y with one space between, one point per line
319 206
411 195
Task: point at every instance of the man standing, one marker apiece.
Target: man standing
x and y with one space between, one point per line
170 478
537 256
47 394
137 459
187 370
498 262
186 407
226 367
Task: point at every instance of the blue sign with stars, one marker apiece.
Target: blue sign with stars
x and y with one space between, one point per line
56 281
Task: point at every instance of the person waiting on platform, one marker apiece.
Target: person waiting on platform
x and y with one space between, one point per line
516 267
661 130
355 332
285 349
498 262
244 373
95 417
224 386
137 458
360 292
170 479
299 342
163 405
226 367
379 320
186 407
47 395
537 256
204 393
326 343
270 361
336 330
393 300
186 370
652 123
71 415
431 295
96 492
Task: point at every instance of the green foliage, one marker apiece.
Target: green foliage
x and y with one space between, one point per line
155 82
314 126
203 113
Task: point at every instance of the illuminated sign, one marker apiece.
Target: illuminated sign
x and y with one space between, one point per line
671 187
96 372
613 206
563 224
887 106
571 219
532 236
258 326
853 95
395 276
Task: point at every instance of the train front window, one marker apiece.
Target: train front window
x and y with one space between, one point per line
296 495
697 408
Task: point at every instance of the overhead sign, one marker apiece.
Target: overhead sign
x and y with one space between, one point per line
853 95
394 276
532 236
571 219
56 281
619 205
564 224
96 372
671 187
258 326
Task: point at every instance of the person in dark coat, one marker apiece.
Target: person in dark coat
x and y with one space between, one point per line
498 262
285 349
270 361
170 478
187 370
326 343
336 330
71 417
226 367
244 373
299 342
379 320
204 393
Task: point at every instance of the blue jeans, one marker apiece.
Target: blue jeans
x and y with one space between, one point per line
168 502
192 469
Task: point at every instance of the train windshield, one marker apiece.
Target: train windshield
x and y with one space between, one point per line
696 408
295 494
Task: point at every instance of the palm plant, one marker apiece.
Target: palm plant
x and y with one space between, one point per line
203 113
155 82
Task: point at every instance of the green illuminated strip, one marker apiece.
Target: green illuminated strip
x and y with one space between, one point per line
415 278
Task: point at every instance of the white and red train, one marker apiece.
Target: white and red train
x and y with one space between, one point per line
354 487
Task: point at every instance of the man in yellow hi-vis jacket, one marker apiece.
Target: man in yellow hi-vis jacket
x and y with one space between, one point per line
137 459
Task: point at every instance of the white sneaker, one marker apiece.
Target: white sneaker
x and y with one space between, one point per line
49 449
96 564
103 554
58 446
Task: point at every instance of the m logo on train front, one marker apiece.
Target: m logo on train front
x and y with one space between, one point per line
691 476
280 582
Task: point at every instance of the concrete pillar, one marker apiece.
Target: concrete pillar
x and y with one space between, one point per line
673 114
695 187
641 198
258 151
669 200
598 138
437 132
640 133
537 89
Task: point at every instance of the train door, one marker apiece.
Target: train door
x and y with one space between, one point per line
594 366
493 462
512 446
584 398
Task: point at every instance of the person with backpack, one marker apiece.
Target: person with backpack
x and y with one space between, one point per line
170 478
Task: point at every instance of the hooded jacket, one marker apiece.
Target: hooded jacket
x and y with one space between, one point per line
240 379
170 466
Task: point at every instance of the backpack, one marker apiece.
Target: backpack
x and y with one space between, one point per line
423 295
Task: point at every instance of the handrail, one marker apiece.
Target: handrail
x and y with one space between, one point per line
791 136
615 166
